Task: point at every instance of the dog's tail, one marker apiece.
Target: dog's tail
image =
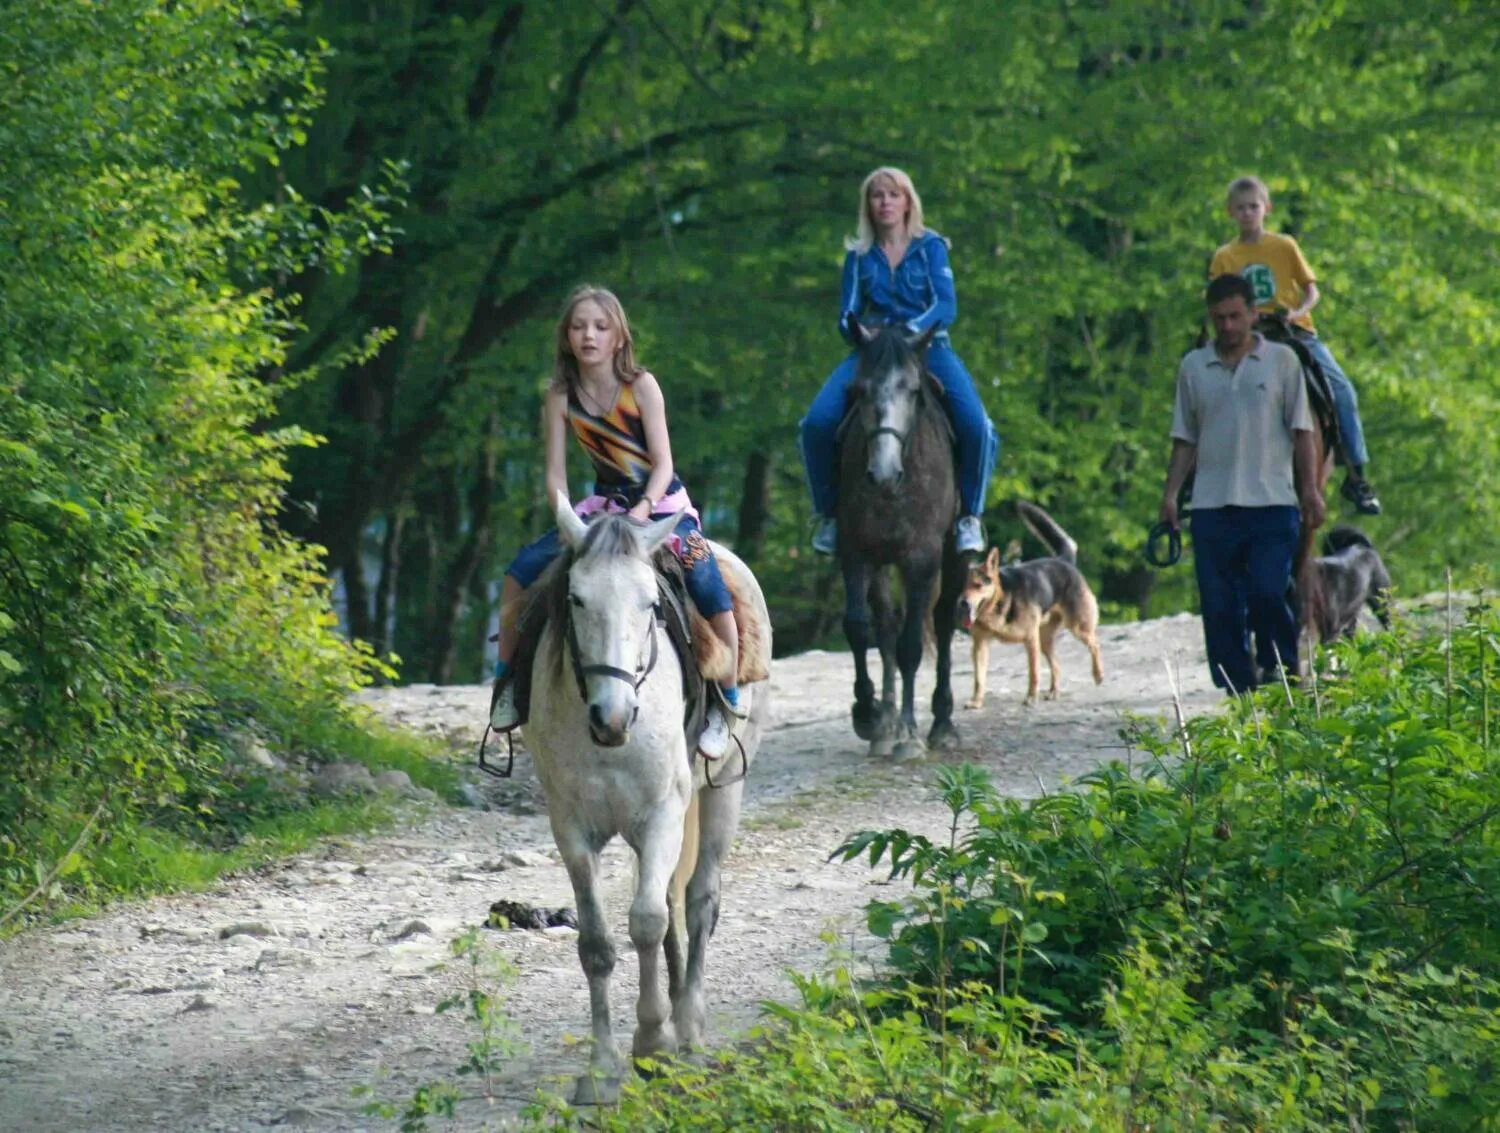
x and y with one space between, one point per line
1343 536
1049 531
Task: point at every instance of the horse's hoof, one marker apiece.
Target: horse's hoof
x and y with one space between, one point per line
597 1089
976 703
910 749
882 748
943 737
866 719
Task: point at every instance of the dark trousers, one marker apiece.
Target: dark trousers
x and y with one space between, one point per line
1243 559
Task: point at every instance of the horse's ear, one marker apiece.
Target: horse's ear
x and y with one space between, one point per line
862 334
569 526
992 560
920 344
657 532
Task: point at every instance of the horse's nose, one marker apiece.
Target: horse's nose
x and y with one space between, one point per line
889 479
608 732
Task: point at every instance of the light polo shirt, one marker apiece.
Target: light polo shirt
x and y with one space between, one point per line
1241 421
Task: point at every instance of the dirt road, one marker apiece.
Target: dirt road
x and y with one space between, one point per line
264 1001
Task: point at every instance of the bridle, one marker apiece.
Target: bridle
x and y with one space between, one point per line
903 437
581 671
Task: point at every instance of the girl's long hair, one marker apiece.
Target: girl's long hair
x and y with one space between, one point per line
864 230
565 366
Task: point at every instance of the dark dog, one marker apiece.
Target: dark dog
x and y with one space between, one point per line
1028 603
1353 577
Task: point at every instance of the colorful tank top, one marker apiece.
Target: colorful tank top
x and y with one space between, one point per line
616 444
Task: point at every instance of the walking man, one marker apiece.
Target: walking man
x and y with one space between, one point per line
1241 424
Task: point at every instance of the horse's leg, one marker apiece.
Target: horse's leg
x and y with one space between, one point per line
719 815
944 733
858 632
887 625
918 579
596 953
658 845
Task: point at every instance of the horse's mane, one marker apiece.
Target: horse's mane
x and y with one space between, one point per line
888 350
609 535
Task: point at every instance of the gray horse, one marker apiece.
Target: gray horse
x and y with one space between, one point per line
898 498
606 732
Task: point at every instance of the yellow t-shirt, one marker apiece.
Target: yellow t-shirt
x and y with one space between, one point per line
1274 267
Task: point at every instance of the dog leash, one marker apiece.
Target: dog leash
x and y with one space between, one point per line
1153 551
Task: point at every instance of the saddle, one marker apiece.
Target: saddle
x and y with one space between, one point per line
1319 392
703 657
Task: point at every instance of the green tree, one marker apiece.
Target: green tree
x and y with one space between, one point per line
148 604
702 158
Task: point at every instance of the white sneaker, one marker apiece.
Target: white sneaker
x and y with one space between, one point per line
826 538
714 741
503 714
969 535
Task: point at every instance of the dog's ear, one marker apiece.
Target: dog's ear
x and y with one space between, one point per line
992 560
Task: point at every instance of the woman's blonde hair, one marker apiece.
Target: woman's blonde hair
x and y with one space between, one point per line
864 230
565 366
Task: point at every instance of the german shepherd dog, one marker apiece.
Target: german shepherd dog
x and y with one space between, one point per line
1354 576
1028 603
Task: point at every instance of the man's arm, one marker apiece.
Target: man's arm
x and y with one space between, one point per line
1309 489
1184 458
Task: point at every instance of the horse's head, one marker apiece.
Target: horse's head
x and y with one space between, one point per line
888 385
611 614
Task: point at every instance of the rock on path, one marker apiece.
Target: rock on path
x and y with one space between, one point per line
263 1002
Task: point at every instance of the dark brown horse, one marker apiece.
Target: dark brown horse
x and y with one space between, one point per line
1309 582
898 498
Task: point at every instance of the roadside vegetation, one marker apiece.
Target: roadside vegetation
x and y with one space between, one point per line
154 619
1281 917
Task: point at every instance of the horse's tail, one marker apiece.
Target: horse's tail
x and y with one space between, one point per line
1049 531
675 944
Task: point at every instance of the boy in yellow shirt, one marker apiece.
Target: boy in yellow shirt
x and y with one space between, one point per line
1274 266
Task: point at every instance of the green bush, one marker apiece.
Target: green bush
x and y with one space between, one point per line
148 605
1279 918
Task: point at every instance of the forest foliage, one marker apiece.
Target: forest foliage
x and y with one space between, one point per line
277 286
703 159
151 610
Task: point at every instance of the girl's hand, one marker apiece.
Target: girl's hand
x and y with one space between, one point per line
641 512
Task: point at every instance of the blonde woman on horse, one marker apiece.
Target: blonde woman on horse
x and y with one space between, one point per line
615 409
896 272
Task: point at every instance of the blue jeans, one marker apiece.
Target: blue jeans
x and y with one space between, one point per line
1243 559
1345 401
700 570
978 443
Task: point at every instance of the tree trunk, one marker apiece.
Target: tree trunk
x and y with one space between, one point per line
390 577
356 594
1131 586
755 507
453 598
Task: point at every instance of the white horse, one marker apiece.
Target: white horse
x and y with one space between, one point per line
606 732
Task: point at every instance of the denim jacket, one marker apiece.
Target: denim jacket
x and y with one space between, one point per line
919 293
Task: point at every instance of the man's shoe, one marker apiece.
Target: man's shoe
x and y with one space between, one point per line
826 537
969 535
1361 494
503 714
714 741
